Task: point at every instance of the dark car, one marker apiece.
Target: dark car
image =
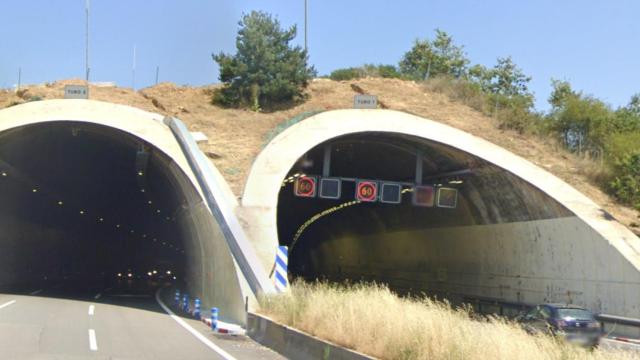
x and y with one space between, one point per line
575 324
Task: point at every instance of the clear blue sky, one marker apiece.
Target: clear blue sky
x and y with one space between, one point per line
593 44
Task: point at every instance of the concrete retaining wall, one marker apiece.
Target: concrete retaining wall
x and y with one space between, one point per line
295 344
554 260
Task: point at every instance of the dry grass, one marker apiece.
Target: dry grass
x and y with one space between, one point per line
373 320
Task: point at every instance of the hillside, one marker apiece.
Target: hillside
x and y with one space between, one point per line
237 136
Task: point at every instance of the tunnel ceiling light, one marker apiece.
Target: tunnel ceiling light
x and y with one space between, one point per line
154 239
168 272
149 273
119 274
174 278
141 190
155 271
168 218
158 211
81 212
164 243
101 219
149 202
130 275
60 203
118 226
131 231
4 173
144 236
140 173
456 182
34 190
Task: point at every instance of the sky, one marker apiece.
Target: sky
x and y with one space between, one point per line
592 44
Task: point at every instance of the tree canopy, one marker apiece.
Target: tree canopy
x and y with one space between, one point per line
266 70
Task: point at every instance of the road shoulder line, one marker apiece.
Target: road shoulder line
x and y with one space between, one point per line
193 331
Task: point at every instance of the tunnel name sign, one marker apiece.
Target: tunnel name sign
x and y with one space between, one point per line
365 102
305 186
76 92
367 190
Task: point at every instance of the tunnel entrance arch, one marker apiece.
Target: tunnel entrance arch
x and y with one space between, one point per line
565 257
98 191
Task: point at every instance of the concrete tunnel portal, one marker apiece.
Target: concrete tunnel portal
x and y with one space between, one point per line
92 192
516 233
88 202
397 243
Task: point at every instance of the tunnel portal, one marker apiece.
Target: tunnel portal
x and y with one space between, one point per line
90 203
404 244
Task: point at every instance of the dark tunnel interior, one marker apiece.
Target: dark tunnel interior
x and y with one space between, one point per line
88 203
326 236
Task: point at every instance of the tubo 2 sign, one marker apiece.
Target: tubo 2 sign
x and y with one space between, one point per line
365 102
76 92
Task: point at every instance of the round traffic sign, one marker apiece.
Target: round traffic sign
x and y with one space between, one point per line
367 191
305 187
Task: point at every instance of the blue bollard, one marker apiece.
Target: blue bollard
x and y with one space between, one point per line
196 311
177 298
185 303
214 318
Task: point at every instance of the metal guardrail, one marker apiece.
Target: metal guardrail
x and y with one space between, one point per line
236 239
620 320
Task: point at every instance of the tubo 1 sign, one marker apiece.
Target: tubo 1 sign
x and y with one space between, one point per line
365 102
76 92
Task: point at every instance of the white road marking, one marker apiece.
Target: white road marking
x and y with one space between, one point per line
97 296
36 292
91 309
193 331
7 304
93 344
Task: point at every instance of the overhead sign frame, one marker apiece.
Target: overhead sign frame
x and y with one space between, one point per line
447 197
325 182
424 195
396 192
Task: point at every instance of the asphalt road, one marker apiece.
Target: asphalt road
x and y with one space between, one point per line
62 322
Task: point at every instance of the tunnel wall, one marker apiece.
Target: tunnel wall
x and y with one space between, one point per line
555 263
24 268
213 272
590 238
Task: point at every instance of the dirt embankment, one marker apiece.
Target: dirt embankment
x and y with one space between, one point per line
237 136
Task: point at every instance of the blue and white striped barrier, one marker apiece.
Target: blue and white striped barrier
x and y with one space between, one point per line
185 303
282 258
196 309
214 318
177 298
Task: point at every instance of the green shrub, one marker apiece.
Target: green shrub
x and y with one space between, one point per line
266 70
626 183
345 74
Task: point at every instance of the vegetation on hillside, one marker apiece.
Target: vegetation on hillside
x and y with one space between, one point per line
373 320
266 70
583 124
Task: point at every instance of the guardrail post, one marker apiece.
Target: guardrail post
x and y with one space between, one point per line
177 298
214 318
196 310
185 302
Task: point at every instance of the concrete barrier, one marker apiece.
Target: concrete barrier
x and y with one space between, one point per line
295 344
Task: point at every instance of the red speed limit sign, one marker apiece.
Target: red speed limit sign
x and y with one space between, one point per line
305 186
367 190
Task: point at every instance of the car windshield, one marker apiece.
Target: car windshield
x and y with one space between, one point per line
580 314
